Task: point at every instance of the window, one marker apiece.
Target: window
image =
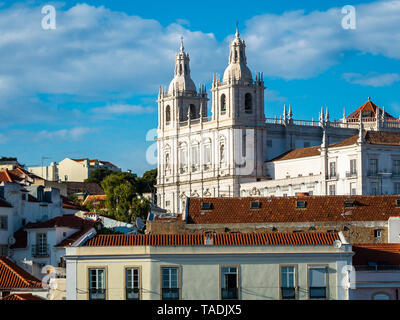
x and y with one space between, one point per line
349 203
168 115
353 188
396 167
332 190
3 251
255 205
192 111
206 206
23 196
3 223
207 153
381 296
195 155
373 167
397 188
97 289
269 143
332 169
132 283
248 103
229 283
167 203
288 288
301 204
306 144
377 233
65 178
182 158
317 282
353 167
223 104
374 188
41 247
170 288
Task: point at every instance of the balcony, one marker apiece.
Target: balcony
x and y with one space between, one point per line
40 251
97 294
317 292
170 293
351 174
288 293
229 294
332 176
132 293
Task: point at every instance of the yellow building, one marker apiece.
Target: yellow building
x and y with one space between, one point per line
209 267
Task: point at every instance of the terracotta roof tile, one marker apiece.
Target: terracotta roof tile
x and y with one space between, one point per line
22 296
224 239
283 209
13 276
299 153
369 106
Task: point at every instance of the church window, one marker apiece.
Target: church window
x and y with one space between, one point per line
207 153
192 111
223 104
195 156
248 103
168 115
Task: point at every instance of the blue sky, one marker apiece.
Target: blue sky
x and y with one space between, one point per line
88 88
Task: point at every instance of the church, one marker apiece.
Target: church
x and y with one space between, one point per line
237 151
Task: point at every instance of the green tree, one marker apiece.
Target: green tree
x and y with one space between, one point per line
147 182
98 175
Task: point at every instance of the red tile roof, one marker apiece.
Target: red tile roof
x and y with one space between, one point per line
225 239
17 175
12 276
283 209
371 137
68 220
69 204
371 107
89 224
22 296
388 253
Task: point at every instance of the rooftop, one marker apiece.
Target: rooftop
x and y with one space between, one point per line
22 296
12 276
284 209
225 239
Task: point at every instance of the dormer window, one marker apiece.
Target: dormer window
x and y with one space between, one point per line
398 203
301 204
349 203
255 205
206 206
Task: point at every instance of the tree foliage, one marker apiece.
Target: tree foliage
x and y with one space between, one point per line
123 203
98 175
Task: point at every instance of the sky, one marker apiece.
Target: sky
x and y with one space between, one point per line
88 88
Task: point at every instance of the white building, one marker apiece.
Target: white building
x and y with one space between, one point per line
214 156
76 170
258 266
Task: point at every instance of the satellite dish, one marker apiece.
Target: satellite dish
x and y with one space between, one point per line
139 223
337 244
11 240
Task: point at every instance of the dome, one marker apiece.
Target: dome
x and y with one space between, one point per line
238 71
182 82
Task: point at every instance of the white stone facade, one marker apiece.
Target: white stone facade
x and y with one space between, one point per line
228 152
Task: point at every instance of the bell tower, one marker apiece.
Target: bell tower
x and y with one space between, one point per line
238 98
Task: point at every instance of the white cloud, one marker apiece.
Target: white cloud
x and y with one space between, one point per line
372 79
74 134
119 109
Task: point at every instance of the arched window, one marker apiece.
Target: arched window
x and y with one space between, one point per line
223 104
381 296
248 103
167 115
222 153
192 110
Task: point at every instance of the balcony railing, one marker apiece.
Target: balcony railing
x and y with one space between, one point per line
40 250
317 292
288 293
229 293
170 293
372 173
132 293
350 174
97 294
332 176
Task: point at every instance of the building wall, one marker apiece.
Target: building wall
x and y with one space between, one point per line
200 269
